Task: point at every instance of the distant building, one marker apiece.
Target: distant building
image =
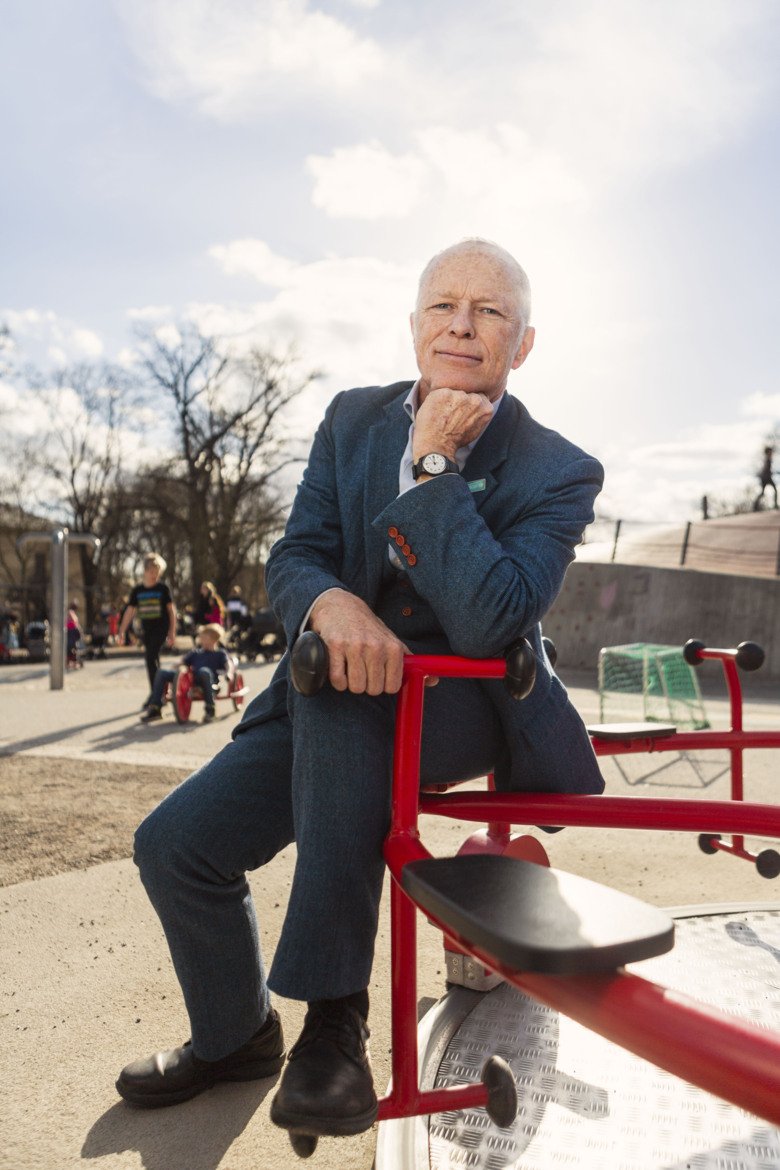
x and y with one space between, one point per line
25 580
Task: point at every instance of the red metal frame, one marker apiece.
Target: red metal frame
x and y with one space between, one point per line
735 741
728 1057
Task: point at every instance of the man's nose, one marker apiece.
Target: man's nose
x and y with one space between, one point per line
462 324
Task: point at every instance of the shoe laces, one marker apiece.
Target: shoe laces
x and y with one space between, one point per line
341 1025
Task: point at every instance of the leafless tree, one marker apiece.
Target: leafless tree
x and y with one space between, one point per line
219 486
80 460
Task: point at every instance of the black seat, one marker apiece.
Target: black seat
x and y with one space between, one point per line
536 919
629 731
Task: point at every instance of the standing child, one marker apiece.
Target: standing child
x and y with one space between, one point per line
153 602
74 633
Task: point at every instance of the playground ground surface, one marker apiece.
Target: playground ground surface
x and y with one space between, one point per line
86 981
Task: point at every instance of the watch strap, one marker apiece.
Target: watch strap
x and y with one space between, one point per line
450 466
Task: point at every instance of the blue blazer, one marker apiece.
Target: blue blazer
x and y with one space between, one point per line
487 549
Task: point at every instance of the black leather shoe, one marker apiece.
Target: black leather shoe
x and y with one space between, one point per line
327 1087
170 1077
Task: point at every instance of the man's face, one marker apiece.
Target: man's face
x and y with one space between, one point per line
467 329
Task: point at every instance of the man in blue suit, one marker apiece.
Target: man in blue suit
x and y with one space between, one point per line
433 516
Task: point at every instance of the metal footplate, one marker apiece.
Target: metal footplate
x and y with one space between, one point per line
532 918
585 1103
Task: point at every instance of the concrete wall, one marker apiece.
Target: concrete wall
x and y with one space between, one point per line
610 605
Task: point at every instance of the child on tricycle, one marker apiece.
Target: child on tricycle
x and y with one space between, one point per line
206 664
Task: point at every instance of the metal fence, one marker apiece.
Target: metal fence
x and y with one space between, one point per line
741 545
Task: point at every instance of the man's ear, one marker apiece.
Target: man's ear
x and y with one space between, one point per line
526 345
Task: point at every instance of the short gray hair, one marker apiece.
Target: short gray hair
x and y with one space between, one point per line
478 244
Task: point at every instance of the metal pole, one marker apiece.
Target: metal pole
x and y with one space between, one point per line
615 543
60 539
684 549
59 610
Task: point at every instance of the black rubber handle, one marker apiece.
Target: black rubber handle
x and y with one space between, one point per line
748 655
691 651
520 669
309 664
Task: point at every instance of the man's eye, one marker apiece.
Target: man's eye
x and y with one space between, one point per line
443 305
489 309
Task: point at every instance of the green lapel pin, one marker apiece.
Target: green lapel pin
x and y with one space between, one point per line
476 485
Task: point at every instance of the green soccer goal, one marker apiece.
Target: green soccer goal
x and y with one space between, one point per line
647 682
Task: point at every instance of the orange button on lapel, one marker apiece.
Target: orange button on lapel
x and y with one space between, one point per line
400 539
411 559
406 550
392 532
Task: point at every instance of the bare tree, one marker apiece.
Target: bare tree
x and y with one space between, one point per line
81 458
219 485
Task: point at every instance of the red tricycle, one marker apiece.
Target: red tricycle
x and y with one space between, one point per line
562 944
186 692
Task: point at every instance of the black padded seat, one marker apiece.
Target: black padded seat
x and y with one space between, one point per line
628 731
536 919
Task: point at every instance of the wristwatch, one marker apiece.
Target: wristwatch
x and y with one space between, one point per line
434 464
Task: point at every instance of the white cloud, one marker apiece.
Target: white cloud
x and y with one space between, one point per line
229 57
251 257
150 313
366 182
625 89
664 480
44 337
87 343
762 405
579 98
344 317
168 334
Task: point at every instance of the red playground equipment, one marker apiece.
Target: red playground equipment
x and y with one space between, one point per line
186 692
561 940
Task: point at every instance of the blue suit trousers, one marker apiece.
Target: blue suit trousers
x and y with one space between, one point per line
322 779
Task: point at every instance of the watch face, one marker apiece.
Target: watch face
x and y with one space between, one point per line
434 464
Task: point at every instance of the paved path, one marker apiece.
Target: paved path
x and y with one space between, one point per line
87 985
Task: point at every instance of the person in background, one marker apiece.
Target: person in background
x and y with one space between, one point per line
74 634
766 479
152 601
113 624
236 607
209 607
207 664
100 632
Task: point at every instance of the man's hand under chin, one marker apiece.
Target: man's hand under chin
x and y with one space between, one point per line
365 656
449 419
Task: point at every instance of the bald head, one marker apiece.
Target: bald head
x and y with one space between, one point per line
503 260
470 325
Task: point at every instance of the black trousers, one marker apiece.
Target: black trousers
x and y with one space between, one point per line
154 640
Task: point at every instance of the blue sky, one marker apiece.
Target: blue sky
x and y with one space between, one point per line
280 170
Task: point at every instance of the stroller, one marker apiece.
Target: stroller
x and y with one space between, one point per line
100 631
37 640
259 636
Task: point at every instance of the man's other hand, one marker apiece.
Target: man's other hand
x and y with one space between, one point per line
365 656
449 419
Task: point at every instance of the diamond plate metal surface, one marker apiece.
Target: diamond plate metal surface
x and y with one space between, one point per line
585 1102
